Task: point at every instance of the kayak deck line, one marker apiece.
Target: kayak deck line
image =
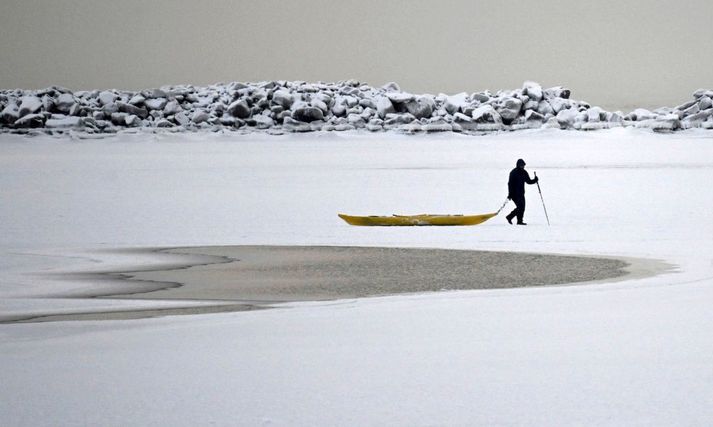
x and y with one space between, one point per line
417 220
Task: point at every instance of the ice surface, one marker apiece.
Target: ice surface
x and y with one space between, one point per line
634 352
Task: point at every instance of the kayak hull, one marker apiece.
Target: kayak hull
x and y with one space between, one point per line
416 220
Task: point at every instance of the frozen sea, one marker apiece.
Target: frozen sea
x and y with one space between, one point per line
634 352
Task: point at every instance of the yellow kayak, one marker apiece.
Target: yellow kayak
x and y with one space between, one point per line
424 219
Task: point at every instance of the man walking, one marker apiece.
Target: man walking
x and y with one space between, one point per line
516 191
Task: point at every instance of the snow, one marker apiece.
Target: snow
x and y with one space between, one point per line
634 352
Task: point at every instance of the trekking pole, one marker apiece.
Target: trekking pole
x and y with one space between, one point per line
543 200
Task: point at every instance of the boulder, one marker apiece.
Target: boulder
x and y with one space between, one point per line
421 106
350 101
391 87
367 103
164 123
594 115
106 97
455 103
399 118
283 98
291 125
530 105
356 120
566 118
29 104
384 106
489 127
640 114
705 102
615 117
481 96
400 97
339 109
155 103
557 92
486 113
509 109
132 109
559 104
437 125
532 115
693 109
64 102
30 121
110 108
133 120
660 124
64 122
375 125
306 113
533 91
137 99
227 120
544 108
239 109
119 119
171 108
182 118
263 122
10 113
199 116
48 103
157 93
700 116
319 104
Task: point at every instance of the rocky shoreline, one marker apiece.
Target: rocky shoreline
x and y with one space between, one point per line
279 107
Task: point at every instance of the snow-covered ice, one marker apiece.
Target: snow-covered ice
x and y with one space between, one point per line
634 352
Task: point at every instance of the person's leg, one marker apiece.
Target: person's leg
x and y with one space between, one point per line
512 215
520 203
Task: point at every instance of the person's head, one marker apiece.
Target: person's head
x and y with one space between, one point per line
520 164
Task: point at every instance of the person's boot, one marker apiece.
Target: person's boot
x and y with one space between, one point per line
509 218
521 223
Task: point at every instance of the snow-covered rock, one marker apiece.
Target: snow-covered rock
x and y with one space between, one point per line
172 107
239 109
132 109
400 97
137 99
106 97
421 107
155 103
509 108
455 103
566 118
30 121
10 113
283 98
29 105
330 106
437 125
66 122
263 122
306 113
64 102
199 116
486 113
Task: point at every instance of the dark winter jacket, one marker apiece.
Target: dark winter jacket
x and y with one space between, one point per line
516 183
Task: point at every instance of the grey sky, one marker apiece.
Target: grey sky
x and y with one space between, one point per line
611 53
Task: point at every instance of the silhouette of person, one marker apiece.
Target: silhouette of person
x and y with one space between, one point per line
516 191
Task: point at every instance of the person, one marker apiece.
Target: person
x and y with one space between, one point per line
516 191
